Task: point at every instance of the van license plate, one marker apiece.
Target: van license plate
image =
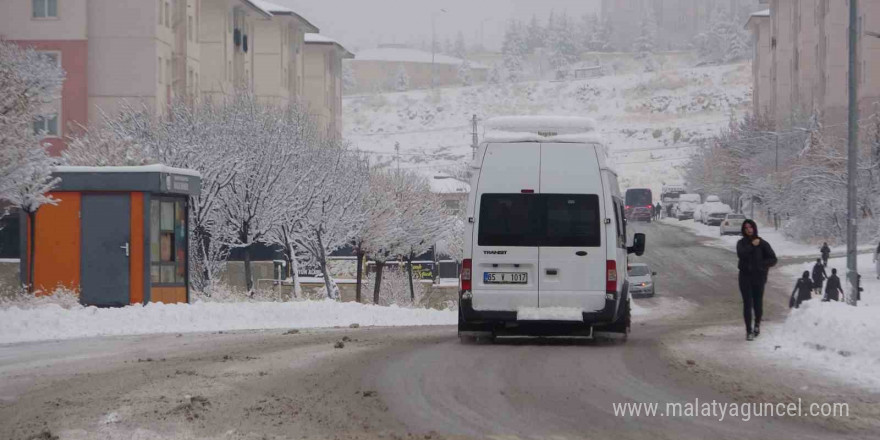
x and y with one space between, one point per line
505 277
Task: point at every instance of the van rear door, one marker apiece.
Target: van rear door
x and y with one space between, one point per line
505 251
572 257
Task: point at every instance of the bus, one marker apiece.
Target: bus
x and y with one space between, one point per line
639 204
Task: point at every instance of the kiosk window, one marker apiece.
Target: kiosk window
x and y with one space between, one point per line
167 241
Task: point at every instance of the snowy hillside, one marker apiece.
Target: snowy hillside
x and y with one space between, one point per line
649 120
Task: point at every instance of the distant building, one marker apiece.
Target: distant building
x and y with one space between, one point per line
323 81
376 69
808 65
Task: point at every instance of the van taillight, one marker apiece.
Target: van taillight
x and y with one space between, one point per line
466 274
611 276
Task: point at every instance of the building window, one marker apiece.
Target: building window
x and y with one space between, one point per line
160 70
189 28
167 241
167 14
168 72
52 57
161 11
46 126
45 8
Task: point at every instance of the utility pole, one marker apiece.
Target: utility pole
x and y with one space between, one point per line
397 153
777 152
475 142
852 154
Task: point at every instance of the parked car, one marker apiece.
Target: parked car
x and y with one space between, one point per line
543 229
686 204
732 224
641 280
713 211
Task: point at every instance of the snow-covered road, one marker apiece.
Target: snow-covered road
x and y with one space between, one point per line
408 381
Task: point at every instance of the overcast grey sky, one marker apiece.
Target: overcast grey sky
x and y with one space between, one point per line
362 24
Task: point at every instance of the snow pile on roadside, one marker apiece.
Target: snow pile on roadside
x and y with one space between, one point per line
831 338
51 321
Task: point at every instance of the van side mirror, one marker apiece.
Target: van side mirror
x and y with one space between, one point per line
638 246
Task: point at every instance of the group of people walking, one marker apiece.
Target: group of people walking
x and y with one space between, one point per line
756 257
810 284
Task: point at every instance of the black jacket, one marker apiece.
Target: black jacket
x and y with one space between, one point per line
833 289
825 250
802 291
819 274
755 261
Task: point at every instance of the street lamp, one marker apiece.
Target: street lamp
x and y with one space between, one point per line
434 41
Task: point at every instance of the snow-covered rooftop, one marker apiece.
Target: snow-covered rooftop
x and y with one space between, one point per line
534 124
407 55
157 168
271 9
323 39
318 38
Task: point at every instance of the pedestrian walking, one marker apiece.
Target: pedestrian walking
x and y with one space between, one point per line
756 257
819 276
833 290
658 209
826 252
803 291
877 260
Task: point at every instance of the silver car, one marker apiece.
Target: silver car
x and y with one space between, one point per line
732 224
641 279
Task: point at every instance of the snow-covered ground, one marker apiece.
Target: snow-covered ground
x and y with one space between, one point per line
782 245
830 338
650 121
51 321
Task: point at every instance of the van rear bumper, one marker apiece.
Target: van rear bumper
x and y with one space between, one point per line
498 322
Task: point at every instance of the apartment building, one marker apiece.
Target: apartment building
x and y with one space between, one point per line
279 57
762 93
151 52
808 62
323 81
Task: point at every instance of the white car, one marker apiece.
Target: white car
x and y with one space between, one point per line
641 280
713 211
687 203
732 224
545 244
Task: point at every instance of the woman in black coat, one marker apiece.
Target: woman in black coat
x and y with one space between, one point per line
803 290
833 291
756 257
819 276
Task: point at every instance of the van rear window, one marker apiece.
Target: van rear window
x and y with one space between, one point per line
552 220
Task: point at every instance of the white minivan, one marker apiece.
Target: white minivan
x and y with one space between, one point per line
545 244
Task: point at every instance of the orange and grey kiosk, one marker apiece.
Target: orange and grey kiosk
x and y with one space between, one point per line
118 235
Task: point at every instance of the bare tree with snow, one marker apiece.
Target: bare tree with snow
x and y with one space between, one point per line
28 82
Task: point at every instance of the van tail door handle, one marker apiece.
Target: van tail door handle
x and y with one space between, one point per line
581 253
127 248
